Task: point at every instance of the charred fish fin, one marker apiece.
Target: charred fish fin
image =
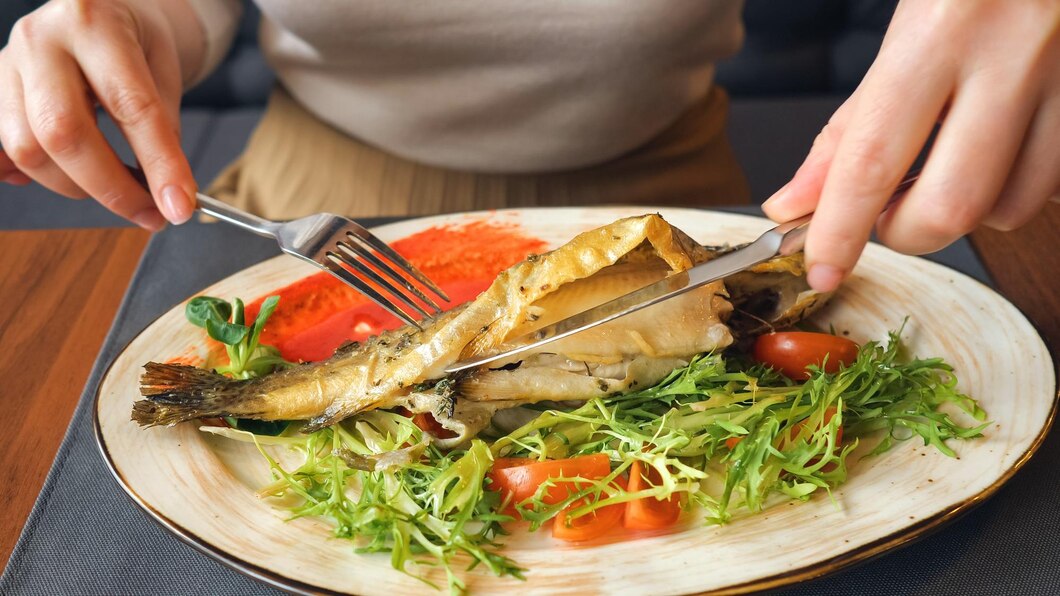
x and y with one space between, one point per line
325 420
180 383
178 392
148 413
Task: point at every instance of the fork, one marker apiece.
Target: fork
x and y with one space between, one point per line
343 248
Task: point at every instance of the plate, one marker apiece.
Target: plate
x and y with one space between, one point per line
202 488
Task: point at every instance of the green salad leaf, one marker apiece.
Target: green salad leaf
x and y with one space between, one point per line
226 323
424 511
725 434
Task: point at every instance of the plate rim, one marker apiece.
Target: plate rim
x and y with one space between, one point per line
850 558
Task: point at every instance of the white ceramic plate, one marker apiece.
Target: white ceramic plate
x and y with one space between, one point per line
202 487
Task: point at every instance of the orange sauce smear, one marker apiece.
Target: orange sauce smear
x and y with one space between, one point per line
319 313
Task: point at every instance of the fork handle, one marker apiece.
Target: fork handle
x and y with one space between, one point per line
793 233
220 210
238 217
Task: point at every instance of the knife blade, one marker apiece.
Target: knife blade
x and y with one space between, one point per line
783 239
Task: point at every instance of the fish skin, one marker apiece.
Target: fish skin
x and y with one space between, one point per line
384 371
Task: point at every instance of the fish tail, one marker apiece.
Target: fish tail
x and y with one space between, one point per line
178 392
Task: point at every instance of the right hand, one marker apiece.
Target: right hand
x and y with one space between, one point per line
60 61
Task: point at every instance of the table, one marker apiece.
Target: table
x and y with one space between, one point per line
61 289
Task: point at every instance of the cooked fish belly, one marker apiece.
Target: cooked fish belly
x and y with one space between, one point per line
682 326
384 371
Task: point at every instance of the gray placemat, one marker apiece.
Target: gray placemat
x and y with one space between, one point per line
85 536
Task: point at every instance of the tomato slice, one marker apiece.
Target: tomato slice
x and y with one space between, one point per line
828 413
791 352
589 526
517 480
427 423
649 513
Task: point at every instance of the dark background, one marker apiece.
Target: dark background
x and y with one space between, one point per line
794 47
801 58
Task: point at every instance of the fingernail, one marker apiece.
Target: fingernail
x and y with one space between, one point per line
149 219
824 278
176 204
17 178
778 197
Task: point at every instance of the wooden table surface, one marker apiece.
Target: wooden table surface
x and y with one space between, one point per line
60 290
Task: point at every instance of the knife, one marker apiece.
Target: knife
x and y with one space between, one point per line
782 240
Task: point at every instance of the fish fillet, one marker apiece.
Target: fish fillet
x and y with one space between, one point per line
405 367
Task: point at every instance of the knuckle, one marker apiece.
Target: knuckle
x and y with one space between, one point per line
829 135
89 12
132 107
111 199
872 172
24 30
836 241
941 222
59 129
26 154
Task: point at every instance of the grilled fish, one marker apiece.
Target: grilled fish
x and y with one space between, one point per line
405 367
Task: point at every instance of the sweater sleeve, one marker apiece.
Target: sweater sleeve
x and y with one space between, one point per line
220 21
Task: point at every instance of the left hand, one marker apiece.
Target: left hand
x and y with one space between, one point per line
989 70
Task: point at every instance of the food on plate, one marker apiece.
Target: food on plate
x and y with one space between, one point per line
405 367
701 408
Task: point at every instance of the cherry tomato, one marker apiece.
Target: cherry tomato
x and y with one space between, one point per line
790 352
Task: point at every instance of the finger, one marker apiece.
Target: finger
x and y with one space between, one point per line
163 62
21 145
1036 176
10 173
894 115
122 81
800 195
64 123
966 170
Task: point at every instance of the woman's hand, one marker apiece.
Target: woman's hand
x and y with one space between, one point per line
70 54
989 70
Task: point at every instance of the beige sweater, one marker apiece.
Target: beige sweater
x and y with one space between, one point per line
491 85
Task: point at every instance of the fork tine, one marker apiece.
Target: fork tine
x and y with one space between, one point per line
360 267
370 239
354 249
358 284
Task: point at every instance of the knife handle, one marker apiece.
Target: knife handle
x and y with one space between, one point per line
793 233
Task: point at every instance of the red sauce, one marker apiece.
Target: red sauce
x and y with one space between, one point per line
187 358
319 313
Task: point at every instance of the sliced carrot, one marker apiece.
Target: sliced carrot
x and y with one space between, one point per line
649 513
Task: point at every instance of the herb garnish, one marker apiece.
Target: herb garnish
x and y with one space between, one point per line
725 433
